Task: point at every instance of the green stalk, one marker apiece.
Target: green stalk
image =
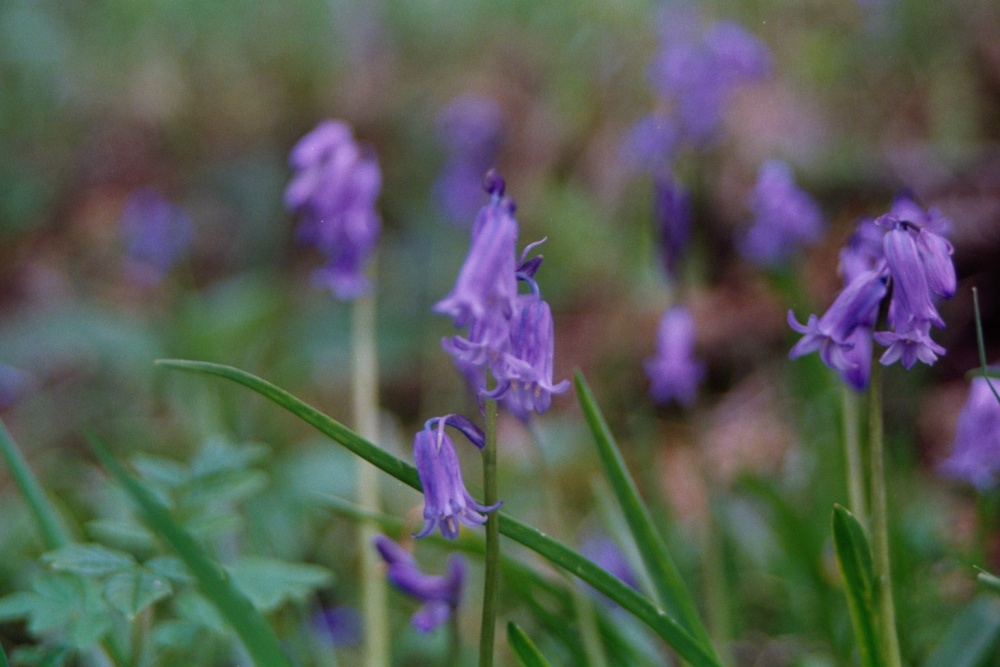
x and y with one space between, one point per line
492 584
880 521
364 394
55 534
852 449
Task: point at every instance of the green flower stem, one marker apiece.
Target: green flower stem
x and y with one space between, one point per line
492 583
55 534
880 521
852 449
364 390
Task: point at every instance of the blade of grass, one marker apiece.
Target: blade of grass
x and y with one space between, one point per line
525 650
55 534
667 581
256 635
987 372
854 556
559 554
971 639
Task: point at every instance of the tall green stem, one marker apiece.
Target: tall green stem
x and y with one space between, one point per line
852 449
492 583
880 520
364 385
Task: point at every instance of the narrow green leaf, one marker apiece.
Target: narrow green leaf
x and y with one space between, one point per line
89 559
972 638
989 581
257 636
131 592
854 556
669 585
562 556
54 531
3 658
986 371
525 650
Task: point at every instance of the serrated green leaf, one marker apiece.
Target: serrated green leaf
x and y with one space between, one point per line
193 607
61 605
854 556
131 592
972 638
218 455
525 650
257 636
270 582
170 568
230 486
42 656
176 634
89 560
559 554
16 606
669 585
123 532
159 470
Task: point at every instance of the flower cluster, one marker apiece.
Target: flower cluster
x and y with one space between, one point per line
785 217
438 595
334 189
975 455
447 503
902 254
694 74
471 129
510 335
674 374
156 234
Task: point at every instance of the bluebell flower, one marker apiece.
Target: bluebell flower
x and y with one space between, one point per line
602 550
487 281
340 626
650 144
863 251
447 503
975 454
673 218
909 344
524 373
785 217
156 234
333 191
439 595
673 372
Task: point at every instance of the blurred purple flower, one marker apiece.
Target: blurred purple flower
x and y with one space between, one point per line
439 595
471 129
603 551
334 189
446 500
863 251
340 626
673 372
785 217
699 69
673 218
156 234
15 384
524 373
650 144
975 455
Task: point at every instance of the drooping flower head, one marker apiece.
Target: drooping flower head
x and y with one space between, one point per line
339 626
510 335
447 503
673 372
334 190
785 217
470 128
156 234
975 454
901 254
439 595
